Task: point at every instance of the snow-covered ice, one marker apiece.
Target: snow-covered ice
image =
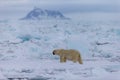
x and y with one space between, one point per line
26 50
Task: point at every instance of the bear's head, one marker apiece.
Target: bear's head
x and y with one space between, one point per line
57 51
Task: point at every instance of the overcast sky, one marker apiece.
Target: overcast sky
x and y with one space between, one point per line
17 7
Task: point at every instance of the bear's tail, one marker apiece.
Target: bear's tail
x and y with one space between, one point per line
80 60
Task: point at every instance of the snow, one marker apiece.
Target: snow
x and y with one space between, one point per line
2 77
26 50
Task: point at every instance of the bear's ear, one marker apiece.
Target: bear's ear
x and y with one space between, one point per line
54 52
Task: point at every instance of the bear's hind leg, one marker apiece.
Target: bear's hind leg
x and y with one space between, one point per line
75 60
80 60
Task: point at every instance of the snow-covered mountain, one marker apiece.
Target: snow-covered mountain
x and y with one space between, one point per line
38 14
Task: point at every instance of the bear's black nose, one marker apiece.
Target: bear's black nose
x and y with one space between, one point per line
53 52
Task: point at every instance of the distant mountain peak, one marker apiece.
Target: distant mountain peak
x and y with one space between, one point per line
38 14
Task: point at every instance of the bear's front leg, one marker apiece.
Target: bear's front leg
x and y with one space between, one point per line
62 59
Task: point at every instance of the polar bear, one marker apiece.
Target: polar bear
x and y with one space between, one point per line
70 54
